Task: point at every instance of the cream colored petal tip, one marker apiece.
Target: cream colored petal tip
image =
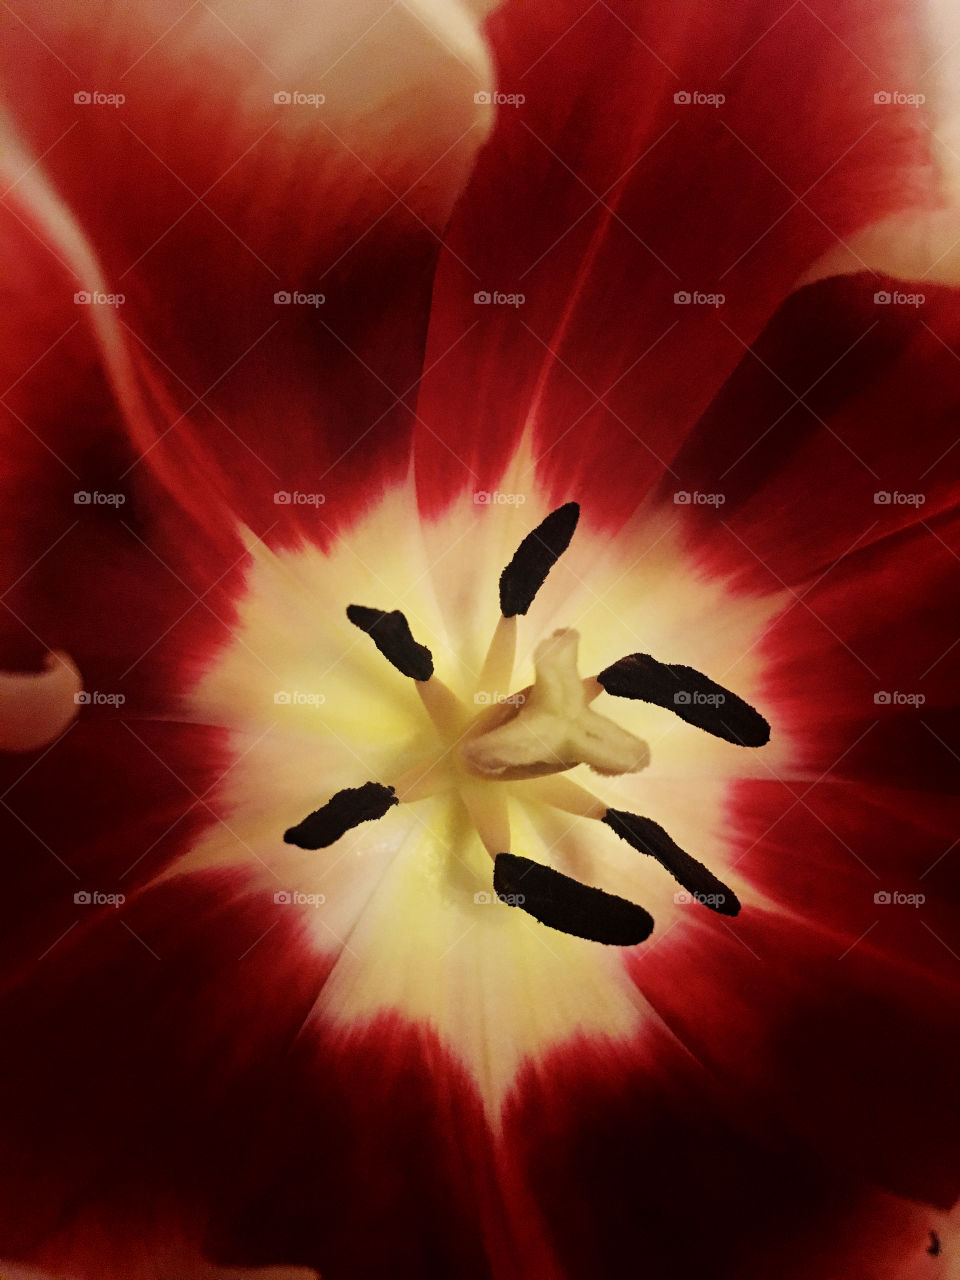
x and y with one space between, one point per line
919 245
36 706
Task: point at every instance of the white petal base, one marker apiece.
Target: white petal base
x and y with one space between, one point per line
406 903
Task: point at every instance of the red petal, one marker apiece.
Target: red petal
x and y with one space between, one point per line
836 432
203 198
648 1143
601 201
134 1075
862 666
815 1036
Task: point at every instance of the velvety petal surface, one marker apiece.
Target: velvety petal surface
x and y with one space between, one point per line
260 198
654 197
348 1060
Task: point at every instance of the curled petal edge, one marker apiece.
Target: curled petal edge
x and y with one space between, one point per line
36 706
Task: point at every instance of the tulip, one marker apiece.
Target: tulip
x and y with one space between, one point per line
478 740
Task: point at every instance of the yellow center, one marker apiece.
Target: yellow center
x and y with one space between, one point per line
402 909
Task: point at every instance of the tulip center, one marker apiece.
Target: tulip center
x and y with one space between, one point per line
547 728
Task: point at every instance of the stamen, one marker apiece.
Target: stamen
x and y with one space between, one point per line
443 707
562 903
429 777
347 809
535 557
690 695
498 664
568 796
592 688
390 632
488 813
534 735
648 837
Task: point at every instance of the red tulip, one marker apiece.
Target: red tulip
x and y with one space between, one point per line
479 752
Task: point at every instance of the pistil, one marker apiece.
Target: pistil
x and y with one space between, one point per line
551 728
